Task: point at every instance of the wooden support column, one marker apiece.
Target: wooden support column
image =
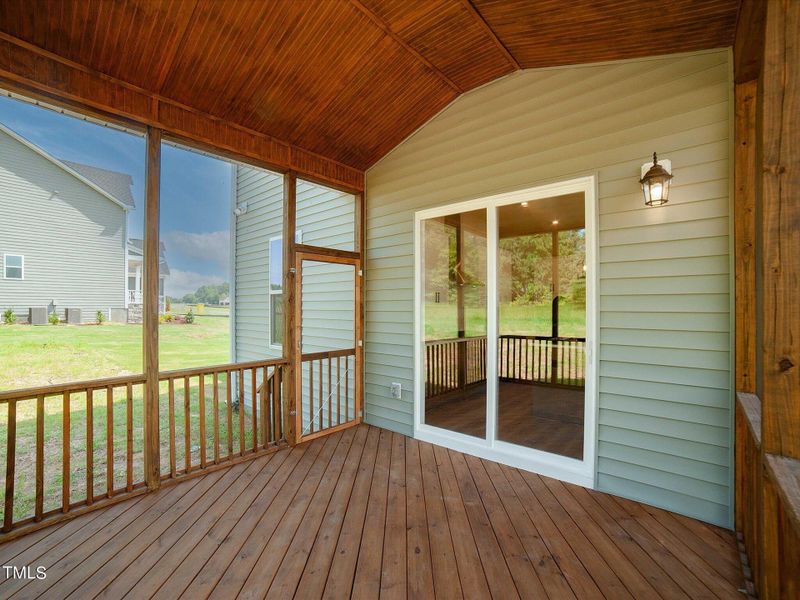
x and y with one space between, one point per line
360 247
290 324
152 466
461 355
744 221
554 310
780 230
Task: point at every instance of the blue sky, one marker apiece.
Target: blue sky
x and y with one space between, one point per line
195 192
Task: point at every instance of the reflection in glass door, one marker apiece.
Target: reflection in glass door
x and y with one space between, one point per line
454 259
542 324
504 326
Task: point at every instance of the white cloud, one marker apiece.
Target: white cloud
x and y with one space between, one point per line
208 247
179 283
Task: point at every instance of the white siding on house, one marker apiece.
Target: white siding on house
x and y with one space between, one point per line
665 337
72 237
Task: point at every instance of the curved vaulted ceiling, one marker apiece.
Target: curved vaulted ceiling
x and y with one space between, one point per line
345 79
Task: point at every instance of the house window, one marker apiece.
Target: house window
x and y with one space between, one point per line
276 288
14 266
276 291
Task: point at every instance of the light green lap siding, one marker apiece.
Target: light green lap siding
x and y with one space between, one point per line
664 273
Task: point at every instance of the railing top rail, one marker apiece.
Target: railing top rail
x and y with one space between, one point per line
72 386
327 354
228 367
455 339
96 384
505 337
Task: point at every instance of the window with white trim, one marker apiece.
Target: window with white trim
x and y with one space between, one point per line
276 291
13 266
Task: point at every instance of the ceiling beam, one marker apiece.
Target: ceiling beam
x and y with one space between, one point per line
380 23
30 70
482 22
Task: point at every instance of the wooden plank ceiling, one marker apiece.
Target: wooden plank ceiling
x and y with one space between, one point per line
338 80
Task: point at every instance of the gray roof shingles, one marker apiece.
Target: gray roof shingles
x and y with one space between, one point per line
117 185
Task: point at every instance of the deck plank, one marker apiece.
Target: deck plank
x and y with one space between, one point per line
343 566
369 513
298 488
446 582
367 583
419 570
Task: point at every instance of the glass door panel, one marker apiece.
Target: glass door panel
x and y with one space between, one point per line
454 262
542 324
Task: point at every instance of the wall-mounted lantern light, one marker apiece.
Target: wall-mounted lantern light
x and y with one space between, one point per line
655 181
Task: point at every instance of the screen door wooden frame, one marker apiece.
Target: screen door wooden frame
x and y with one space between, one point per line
357 352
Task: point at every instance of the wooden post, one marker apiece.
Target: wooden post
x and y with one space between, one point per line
780 230
152 466
744 222
290 340
554 310
780 282
461 357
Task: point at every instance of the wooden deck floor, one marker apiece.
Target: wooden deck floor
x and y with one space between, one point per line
367 513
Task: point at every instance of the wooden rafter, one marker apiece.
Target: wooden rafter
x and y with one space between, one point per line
482 22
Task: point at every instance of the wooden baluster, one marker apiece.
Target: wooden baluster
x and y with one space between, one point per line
109 441
330 394
129 438
89 446
201 396
347 390
321 397
254 403
215 403
241 412
173 469
65 452
311 396
187 426
229 397
277 375
338 391
11 460
266 420
39 507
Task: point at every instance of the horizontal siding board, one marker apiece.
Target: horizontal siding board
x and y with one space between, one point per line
664 306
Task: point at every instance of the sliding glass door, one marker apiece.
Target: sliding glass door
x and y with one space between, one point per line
504 297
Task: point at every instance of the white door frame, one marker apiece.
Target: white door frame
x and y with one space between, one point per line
581 472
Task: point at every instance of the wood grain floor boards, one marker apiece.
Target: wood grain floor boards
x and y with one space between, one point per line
446 582
190 555
339 582
368 513
419 569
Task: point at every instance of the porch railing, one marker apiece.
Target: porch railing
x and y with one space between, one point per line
456 363
327 391
767 507
75 446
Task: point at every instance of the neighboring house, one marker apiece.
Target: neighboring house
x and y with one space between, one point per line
136 274
63 232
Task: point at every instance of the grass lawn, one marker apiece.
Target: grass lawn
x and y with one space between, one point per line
440 320
43 355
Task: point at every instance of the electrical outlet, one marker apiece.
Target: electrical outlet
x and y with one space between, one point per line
397 390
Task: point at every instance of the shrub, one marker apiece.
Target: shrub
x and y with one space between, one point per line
100 317
189 317
9 318
53 319
166 318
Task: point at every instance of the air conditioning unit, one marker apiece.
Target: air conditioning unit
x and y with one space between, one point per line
37 315
74 316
